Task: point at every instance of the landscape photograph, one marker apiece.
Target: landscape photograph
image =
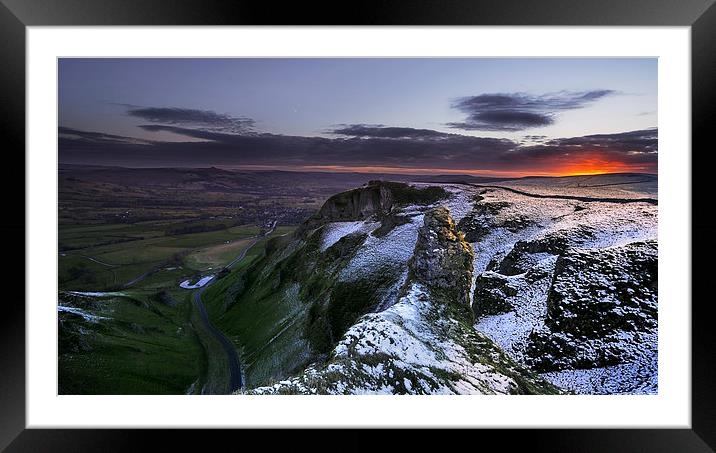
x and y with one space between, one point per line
353 226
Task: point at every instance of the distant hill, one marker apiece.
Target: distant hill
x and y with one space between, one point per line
220 180
223 180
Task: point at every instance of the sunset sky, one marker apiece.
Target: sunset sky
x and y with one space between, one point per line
503 117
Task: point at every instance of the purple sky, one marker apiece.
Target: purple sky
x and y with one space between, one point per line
481 116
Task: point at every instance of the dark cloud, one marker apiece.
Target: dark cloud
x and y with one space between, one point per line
380 131
393 149
212 135
639 146
382 147
644 141
519 111
218 148
192 118
504 120
94 137
535 138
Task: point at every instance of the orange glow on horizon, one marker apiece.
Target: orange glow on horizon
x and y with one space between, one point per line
596 166
416 171
585 166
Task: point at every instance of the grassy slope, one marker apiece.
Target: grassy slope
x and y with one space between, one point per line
146 347
288 309
253 321
265 325
216 256
284 313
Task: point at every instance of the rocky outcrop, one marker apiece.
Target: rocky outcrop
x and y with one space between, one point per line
377 198
596 292
520 259
425 342
601 308
442 259
478 223
356 204
486 216
492 293
388 222
474 227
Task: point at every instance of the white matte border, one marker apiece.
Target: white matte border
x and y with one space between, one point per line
670 408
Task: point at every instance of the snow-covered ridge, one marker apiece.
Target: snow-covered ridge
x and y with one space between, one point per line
569 225
413 343
400 350
419 344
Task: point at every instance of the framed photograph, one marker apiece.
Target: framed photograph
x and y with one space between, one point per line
464 216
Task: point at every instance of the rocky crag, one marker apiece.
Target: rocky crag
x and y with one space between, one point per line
398 288
425 342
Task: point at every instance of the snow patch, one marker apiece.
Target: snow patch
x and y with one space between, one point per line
96 293
412 334
390 251
186 284
335 231
639 377
78 311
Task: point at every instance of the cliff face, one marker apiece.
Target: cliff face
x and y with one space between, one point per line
293 305
601 307
356 204
423 342
373 296
442 260
375 199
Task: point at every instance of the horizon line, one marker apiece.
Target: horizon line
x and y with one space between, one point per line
369 170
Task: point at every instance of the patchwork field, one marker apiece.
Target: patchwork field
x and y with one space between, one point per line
144 338
125 324
94 265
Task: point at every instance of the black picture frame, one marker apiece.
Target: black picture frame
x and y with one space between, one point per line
700 15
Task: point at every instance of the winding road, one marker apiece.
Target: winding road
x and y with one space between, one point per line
235 379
